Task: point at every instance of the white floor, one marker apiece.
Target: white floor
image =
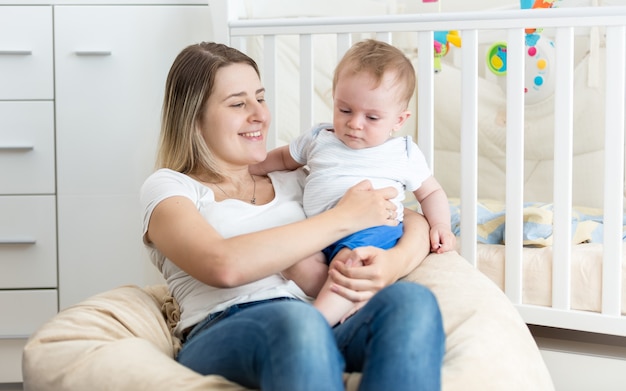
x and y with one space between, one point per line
583 362
575 372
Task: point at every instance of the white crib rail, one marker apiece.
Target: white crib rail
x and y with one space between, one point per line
563 21
614 169
563 138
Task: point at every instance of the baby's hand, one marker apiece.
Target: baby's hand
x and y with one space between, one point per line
257 169
441 239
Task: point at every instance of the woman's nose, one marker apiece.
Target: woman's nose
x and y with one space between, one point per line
260 113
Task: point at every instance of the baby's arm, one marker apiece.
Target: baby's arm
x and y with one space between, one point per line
334 307
277 159
436 209
309 274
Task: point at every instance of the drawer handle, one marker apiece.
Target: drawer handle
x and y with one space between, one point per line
17 148
16 52
87 53
17 241
15 336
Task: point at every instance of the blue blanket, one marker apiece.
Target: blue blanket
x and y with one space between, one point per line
587 223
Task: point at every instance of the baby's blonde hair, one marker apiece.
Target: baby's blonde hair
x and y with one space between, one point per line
378 58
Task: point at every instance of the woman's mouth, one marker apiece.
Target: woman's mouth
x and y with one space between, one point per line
252 134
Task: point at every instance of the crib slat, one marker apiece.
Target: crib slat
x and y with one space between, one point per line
344 41
306 82
613 170
514 164
469 144
563 152
426 96
384 36
269 80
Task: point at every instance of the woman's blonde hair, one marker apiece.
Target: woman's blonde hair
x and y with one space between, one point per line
189 84
377 58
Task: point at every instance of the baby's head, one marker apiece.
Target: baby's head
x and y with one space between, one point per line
372 87
379 59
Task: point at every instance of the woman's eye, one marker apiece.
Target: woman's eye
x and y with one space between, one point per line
237 104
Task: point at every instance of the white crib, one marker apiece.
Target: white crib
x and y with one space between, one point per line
263 39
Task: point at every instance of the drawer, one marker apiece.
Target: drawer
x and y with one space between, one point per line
28 310
27 160
26 53
28 250
11 361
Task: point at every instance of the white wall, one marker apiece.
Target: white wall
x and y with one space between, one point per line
415 6
290 8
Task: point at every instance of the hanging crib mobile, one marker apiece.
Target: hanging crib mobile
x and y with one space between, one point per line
538 82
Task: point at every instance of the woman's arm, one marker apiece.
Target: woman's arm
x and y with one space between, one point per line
383 267
178 230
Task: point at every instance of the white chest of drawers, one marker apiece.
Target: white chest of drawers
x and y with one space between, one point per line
28 256
81 85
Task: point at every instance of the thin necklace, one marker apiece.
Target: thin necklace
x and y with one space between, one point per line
252 201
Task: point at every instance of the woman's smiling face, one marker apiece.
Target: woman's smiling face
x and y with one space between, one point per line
236 119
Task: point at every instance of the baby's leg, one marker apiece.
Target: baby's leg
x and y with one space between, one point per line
309 274
333 306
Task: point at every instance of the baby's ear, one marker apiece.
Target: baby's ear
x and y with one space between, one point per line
404 115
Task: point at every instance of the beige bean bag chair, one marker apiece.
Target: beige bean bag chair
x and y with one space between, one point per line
120 340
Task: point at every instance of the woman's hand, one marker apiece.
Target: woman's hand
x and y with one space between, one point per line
366 207
359 283
382 267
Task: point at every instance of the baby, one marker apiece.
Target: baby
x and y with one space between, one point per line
372 87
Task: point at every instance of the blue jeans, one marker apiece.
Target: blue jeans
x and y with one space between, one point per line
396 341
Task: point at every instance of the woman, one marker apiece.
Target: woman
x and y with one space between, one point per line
221 238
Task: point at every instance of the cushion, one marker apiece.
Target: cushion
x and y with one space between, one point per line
120 340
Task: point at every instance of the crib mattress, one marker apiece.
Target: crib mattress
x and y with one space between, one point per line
586 274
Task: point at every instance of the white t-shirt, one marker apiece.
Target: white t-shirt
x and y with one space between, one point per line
229 218
335 167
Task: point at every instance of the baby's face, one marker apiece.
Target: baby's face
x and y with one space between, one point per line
366 114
